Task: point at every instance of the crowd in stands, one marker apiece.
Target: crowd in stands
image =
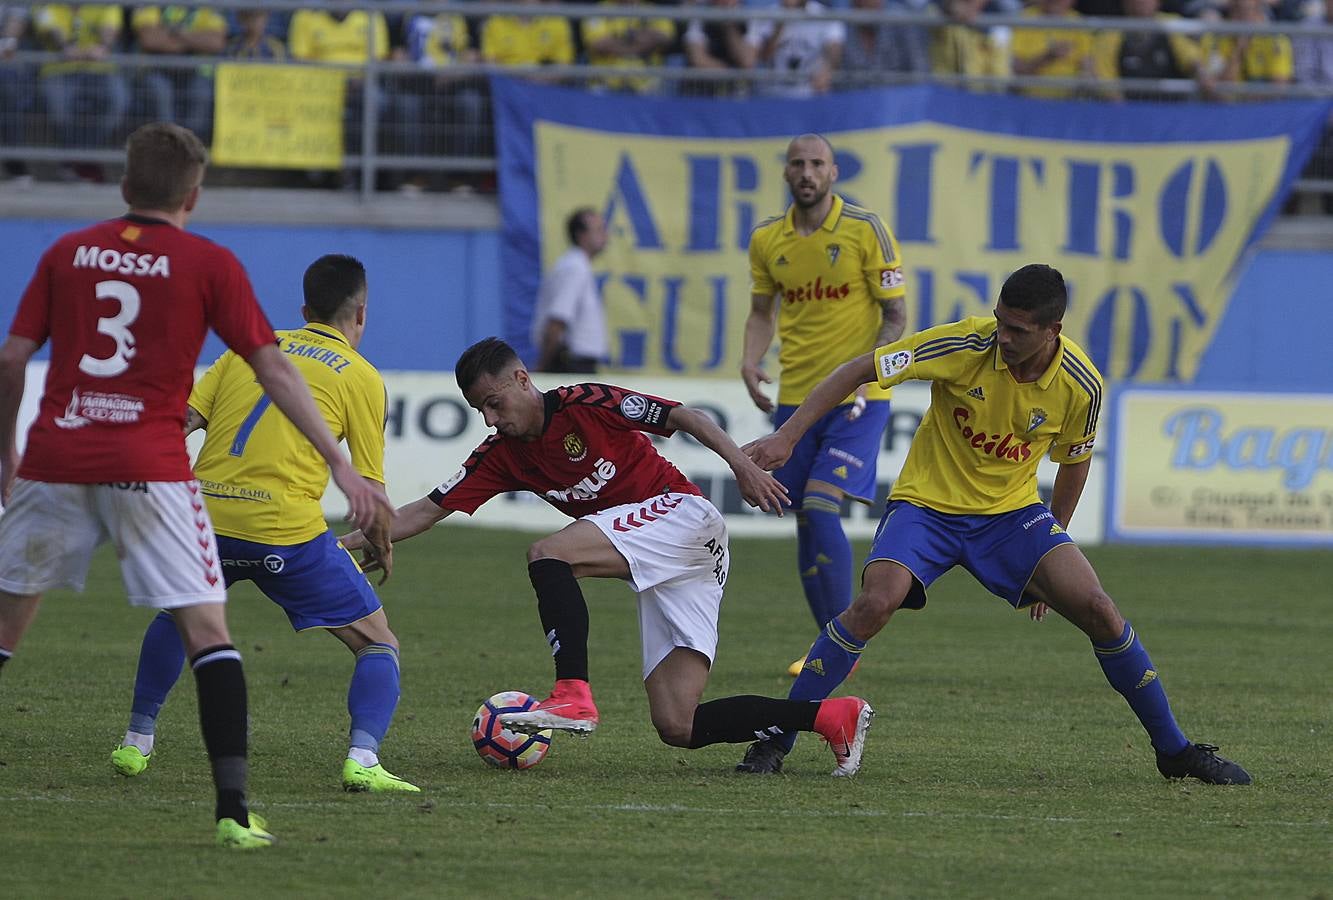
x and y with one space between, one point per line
85 100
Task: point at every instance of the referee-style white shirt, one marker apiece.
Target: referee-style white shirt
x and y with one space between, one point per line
569 294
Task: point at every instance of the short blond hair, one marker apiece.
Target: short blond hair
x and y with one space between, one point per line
163 164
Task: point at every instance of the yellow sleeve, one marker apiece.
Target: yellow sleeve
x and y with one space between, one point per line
300 34
112 17
926 355
1074 442
881 263
761 282
209 20
366 402
145 17
1280 64
666 27
381 30
1028 44
206 389
490 38
596 28
563 50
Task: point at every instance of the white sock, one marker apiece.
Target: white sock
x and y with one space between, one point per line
363 757
143 741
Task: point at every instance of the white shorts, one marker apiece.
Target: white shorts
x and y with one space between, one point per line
160 529
676 546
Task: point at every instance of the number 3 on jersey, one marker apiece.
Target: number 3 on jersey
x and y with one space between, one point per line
117 328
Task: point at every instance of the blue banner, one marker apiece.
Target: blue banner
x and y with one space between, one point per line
1146 208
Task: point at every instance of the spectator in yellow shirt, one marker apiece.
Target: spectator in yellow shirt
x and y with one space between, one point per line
1053 52
961 47
627 43
534 41
86 98
1245 57
349 39
184 96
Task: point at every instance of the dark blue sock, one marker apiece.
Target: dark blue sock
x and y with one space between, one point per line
373 695
1131 672
161 659
811 583
832 552
827 665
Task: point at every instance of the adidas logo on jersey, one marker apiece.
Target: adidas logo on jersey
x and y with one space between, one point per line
782 261
977 392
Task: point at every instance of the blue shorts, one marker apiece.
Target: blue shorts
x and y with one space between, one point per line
317 583
839 452
1001 551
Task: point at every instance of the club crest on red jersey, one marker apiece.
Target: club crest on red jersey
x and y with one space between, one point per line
575 447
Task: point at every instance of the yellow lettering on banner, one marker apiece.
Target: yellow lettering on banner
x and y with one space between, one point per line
278 117
1147 234
1221 465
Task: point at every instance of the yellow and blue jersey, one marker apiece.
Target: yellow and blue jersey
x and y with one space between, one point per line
977 450
262 479
828 285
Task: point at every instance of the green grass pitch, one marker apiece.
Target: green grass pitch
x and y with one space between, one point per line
1000 765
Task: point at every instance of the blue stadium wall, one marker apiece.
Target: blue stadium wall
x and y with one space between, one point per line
434 292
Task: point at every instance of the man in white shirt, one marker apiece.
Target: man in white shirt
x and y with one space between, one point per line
810 52
569 328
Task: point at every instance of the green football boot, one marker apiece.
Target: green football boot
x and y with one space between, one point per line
129 760
233 835
375 779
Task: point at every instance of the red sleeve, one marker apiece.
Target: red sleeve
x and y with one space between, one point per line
483 475
233 309
33 319
623 409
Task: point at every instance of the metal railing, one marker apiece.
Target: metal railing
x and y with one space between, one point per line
406 119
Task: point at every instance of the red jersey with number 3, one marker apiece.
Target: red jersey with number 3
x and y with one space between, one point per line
592 455
126 305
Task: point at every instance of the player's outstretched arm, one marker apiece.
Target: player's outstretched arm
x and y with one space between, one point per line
771 451
285 386
14 356
760 489
408 521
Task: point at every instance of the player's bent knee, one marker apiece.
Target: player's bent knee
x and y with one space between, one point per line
674 733
544 549
869 613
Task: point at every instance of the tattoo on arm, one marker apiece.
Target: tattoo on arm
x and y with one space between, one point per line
893 319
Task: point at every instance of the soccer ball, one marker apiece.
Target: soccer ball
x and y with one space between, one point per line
498 745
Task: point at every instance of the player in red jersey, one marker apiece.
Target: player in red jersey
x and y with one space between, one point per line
637 518
126 305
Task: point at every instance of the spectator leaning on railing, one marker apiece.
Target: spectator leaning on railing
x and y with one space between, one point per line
1245 57
718 44
1053 52
183 96
252 40
528 41
809 51
961 47
1148 54
451 108
315 35
627 43
86 98
885 46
